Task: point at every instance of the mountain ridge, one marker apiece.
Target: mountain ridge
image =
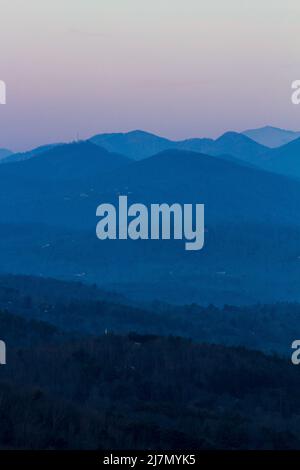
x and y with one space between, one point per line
140 144
252 221
272 136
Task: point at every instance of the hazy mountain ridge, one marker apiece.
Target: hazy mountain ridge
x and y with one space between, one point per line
78 160
139 145
20 156
48 219
83 175
240 146
272 136
284 160
5 153
82 310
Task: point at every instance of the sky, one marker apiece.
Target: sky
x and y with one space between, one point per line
178 68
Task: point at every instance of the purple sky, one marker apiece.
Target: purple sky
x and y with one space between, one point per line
173 67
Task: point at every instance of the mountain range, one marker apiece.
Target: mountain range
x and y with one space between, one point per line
251 147
83 173
19 156
284 160
265 147
48 205
78 351
139 145
272 136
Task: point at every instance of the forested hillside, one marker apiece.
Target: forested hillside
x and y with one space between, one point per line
87 310
145 392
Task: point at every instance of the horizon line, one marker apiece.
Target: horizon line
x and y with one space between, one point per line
142 131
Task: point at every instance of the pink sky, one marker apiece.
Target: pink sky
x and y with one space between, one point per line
172 67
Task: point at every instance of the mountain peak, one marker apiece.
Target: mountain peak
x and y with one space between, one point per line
232 135
271 136
139 132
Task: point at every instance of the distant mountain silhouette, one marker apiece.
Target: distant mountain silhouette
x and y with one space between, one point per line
232 143
231 190
135 144
17 157
139 145
65 162
284 160
48 219
4 153
250 146
272 136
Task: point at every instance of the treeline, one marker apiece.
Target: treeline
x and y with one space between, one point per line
88 370
86 310
147 392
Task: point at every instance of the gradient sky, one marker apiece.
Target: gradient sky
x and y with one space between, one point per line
179 68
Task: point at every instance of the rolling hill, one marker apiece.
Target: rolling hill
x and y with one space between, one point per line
139 145
271 136
48 206
65 162
284 160
5 153
136 144
84 175
19 156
